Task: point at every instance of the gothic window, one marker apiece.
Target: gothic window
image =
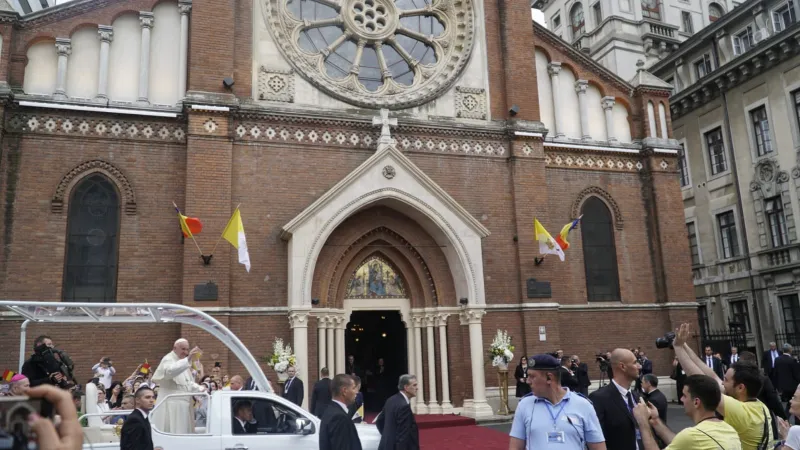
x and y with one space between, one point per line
576 20
599 251
714 12
90 273
375 52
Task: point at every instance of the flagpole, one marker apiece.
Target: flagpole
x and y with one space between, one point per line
190 233
226 227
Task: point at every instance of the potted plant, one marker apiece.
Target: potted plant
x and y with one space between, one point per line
502 350
281 358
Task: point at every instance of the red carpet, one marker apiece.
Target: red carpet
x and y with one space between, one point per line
429 421
452 432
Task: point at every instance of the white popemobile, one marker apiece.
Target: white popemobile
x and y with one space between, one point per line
293 426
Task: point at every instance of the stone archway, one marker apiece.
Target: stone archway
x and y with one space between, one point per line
389 179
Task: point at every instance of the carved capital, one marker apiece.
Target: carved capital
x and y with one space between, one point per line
608 103
418 321
581 86
146 19
441 319
184 6
471 316
63 46
554 68
322 322
338 322
105 33
298 319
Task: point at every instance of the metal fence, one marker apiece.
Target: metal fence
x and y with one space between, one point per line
792 338
722 340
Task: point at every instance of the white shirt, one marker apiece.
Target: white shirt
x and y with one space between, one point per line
408 402
793 439
288 383
775 355
624 393
144 413
734 358
710 361
105 374
344 407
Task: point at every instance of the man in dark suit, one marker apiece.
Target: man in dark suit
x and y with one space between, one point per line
568 378
582 374
337 431
787 374
136 432
321 395
293 389
615 401
679 376
243 421
396 422
352 368
768 360
653 395
713 362
734 356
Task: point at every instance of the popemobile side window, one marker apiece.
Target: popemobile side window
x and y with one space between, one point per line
253 415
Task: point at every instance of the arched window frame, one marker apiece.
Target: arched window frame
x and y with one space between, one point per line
577 20
112 263
711 16
607 246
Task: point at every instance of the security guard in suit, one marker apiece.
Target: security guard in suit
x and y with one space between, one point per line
551 416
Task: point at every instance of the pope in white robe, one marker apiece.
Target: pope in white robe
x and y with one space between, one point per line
174 376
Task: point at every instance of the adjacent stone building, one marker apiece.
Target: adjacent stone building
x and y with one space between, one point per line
406 235
735 112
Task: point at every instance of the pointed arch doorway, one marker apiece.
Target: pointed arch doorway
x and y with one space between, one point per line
377 309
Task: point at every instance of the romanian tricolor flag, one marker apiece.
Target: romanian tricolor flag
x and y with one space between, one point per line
561 239
547 245
8 375
145 368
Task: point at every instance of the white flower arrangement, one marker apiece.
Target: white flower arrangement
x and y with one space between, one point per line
282 356
502 350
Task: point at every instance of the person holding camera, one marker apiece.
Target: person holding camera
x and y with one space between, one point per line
48 365
104 370
582 374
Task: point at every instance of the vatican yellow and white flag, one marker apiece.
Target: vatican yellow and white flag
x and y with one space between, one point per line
547 245
234 233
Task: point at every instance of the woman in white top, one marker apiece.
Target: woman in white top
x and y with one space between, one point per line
790 435
102 405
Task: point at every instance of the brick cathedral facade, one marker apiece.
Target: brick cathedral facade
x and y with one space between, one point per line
103 130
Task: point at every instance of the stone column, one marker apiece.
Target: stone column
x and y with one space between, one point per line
608 109
479 407
441 322
411 353
64 49
298 320
185 6
106 35
580 88
146 20
322 325
433 404
330 352
421 407
554 68
341 324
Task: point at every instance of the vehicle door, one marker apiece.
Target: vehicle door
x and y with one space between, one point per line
178 422
273 423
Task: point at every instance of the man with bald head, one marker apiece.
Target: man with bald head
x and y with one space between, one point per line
174 376
236 384
614 403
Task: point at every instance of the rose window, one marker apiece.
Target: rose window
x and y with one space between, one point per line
375 53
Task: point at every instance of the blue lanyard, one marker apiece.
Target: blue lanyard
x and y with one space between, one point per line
550 410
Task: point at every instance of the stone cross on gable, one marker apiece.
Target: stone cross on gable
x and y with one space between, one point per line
385 123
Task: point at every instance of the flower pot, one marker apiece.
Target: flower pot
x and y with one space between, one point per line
282 376
502 366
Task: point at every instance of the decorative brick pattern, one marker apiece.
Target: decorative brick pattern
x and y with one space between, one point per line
96 127
589 161
470 103
116 175
275 85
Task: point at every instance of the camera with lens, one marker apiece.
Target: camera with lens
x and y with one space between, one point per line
666 341
54 362
107 361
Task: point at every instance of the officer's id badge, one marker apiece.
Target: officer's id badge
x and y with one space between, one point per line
556 437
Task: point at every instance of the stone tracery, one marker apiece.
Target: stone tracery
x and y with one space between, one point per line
375 53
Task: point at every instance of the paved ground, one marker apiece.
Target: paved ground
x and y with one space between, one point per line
676 420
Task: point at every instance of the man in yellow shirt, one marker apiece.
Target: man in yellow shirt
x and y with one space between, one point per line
739 406
701 397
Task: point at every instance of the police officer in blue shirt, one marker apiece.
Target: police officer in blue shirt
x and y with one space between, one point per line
553 417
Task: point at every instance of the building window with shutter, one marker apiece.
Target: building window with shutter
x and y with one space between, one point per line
743 40
784 16
740 314
686 22
776 221
683 167
761 130
729 240
90 272
791 313
599 251
716 151
694 248
703 67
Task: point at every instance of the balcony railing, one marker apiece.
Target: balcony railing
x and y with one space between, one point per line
777 258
